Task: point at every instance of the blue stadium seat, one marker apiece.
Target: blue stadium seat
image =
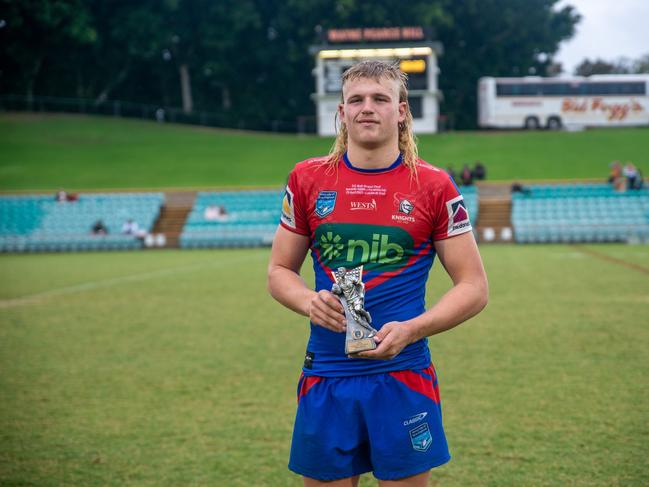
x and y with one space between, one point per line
251 220
43 224
580 213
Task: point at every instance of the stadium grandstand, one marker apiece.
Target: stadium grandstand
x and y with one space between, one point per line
542 213
37 223
248 219
580 213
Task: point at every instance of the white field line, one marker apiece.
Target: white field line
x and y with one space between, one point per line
114 281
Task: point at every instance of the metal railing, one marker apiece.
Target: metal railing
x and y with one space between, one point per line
116 108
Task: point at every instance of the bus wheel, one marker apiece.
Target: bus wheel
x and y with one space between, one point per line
532 123
554 123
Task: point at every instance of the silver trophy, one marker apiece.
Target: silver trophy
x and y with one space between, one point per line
348 285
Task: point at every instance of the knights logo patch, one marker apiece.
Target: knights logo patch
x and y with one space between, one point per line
458 216
325 203
406 206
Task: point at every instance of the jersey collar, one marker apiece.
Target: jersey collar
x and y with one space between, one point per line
372 171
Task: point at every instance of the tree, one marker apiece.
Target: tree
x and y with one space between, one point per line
599 66
34 30
496 38
250 59
641 65
128 35
621 65
277 66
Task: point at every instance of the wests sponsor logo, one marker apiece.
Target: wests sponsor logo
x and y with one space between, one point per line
363 205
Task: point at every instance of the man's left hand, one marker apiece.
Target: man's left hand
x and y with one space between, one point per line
391 339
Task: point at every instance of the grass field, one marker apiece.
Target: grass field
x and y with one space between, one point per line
177 368
47 152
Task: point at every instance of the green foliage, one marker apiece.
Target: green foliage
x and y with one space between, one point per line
73 152
177 368
36 30
619 66
496 38
250 59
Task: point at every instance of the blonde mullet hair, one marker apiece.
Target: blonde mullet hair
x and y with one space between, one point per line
378 70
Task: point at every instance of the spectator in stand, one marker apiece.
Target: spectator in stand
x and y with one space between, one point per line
639 180
132 228
215 213
451 172
99 228
615 177
519 188
630 172
466 176
479 171
62 196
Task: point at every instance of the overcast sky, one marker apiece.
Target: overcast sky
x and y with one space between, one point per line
608 29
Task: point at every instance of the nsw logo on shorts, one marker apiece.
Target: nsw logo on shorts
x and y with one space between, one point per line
325 203
420 437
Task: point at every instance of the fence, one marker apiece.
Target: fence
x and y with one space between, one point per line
302 125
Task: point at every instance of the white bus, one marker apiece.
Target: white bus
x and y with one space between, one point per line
534 102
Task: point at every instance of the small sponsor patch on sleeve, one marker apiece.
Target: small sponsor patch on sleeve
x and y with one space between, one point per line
288 208
458 217
308 360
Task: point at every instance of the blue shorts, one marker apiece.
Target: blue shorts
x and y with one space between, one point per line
389 424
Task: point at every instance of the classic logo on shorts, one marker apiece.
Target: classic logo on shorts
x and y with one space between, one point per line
420 437
325 203
288 211
415 419
458 216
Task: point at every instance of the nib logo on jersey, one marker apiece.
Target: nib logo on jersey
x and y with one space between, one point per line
458 216
373 246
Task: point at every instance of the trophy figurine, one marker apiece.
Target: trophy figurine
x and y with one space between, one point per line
349 287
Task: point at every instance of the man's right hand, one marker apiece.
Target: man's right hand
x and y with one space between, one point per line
325 310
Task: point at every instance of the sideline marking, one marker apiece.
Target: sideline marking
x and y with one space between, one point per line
614 260
104 283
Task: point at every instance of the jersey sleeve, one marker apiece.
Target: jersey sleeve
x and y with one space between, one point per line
451 214
293 210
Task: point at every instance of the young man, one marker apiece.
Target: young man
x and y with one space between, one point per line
372 202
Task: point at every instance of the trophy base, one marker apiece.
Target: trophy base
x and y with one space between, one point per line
362 345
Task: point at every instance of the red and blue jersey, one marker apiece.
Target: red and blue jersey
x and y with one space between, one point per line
385 220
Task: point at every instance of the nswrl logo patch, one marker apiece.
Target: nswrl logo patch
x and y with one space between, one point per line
420 437
288 208
325 203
